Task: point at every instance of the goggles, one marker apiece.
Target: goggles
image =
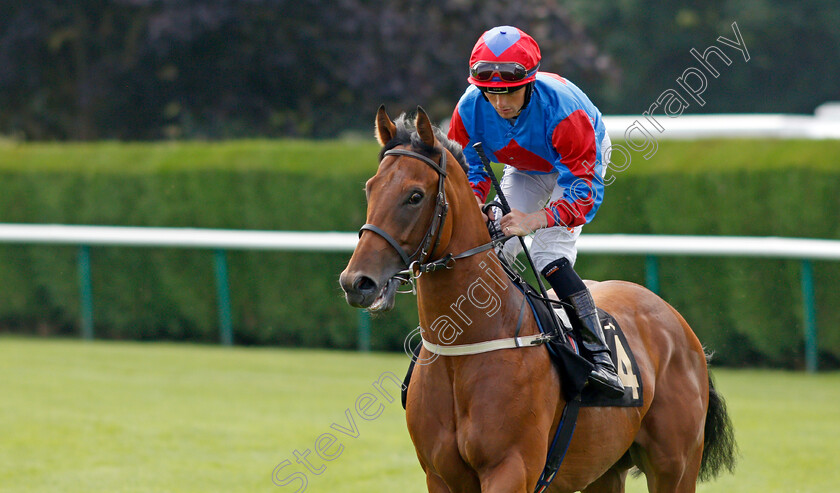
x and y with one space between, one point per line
506 71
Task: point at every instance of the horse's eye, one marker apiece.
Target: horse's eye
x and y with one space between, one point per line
415 198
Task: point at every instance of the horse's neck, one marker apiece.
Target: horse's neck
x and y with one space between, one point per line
474 301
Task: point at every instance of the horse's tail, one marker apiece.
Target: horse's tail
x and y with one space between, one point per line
719 447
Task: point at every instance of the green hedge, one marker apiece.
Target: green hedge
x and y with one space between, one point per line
747 310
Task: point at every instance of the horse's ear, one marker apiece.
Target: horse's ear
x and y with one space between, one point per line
385 128
424 127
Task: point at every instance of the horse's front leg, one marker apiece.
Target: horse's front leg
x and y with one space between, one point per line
507 446
435 484
508 464
509 476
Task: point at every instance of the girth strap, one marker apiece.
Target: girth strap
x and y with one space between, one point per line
560 444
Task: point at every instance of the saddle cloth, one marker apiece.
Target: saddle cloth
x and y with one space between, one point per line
565 352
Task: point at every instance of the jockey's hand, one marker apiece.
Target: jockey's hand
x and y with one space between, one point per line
518 223
489 217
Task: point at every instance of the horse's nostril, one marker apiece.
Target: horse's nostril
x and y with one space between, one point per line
365 284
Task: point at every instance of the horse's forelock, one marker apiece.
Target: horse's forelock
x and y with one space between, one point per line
407 135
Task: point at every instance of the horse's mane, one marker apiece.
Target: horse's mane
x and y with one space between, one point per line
407 135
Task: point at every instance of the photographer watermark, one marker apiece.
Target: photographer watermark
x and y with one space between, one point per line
481 294
672 102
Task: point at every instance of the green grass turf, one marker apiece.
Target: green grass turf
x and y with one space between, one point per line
116 416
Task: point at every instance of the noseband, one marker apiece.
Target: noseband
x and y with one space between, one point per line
424 251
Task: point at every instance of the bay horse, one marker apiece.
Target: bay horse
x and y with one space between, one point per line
484 422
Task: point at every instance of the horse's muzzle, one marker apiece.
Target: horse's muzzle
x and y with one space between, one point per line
362 291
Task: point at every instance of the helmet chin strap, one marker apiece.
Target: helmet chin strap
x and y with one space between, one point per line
528 90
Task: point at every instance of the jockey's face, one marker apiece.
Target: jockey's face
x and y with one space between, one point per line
507 105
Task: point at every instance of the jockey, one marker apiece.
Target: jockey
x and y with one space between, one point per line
552 141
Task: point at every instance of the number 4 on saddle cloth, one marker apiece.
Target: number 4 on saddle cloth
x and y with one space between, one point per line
573 368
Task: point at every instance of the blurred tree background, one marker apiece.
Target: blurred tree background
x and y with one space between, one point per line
157 69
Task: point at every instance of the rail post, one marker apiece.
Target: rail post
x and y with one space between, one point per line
809 316
652 273
85 293
223 298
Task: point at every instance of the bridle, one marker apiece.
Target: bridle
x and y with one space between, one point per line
418 262
420 256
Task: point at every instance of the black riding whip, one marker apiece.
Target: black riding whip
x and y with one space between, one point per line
479 148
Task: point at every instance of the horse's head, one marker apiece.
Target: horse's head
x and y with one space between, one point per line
407 205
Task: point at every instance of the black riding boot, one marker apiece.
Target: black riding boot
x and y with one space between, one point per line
570 288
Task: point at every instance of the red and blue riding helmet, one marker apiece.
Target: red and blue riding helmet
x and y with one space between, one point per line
504 58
